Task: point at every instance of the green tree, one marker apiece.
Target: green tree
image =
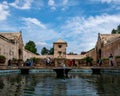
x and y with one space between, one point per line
118 29
51 51
2 59
44 51
114 31
31 47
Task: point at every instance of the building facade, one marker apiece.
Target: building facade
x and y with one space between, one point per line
11 46
106 44
60 48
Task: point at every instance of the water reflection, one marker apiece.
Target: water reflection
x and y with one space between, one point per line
48 85
108 84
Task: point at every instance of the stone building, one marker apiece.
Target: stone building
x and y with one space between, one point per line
106 44
59 51
60 48
11 46
60 55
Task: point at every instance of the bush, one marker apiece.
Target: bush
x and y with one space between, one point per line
105 59
117 57
14 60
88 59
2 59
36 60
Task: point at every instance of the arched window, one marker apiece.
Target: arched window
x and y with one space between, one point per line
59 46
59 52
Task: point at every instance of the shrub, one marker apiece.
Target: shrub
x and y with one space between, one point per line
88 59
36 60
105 58
2 59
117 56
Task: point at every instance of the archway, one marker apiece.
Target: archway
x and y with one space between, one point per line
20 54
99 53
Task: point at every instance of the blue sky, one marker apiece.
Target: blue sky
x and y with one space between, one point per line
77 22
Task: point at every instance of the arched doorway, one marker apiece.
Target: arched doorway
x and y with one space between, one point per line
99 53
20 54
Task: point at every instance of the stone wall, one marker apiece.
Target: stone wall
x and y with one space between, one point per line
27 55
12 47
111 48
92 53
106 45
8 49
62 50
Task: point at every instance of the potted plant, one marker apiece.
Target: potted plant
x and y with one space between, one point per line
20 62
14 61
117 59
2 59
105 62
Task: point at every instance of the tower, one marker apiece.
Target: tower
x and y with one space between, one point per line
59 51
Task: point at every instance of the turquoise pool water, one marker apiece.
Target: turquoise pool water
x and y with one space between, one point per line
46 84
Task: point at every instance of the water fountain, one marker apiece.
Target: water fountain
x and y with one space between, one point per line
62 72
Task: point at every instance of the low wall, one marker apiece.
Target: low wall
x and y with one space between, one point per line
75 70
41 71
2 72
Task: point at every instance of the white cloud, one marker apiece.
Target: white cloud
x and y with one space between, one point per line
51 2
22 4
107 1
65 2
82 32
37 4
34 21
83 25
79 32
42 35
110 1
112 5
4 10
41 43
61 4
